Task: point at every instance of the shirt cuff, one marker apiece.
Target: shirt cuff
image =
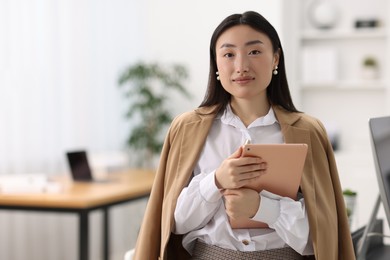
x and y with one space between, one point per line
269 209
208 188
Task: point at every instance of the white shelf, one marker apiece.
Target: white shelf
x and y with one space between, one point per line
344 34
369 85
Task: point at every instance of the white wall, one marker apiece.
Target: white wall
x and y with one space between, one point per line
59 66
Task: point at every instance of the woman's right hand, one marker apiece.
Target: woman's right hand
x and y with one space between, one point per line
236 171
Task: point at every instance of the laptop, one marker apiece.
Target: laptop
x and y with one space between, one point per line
79 167
380 143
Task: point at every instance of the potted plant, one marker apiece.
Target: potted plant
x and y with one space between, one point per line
350 203
370 68
149 88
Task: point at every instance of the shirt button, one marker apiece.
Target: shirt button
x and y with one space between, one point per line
245 242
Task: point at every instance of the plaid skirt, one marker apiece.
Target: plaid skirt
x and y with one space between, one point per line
203 251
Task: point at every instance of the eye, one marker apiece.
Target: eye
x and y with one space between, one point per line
254 52
228 55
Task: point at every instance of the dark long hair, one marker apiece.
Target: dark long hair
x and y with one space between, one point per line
278 92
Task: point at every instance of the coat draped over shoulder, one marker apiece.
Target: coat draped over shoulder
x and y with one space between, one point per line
320 185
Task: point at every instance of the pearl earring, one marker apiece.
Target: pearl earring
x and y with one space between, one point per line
275 71
217 73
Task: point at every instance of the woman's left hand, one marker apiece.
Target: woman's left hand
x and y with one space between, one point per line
241 203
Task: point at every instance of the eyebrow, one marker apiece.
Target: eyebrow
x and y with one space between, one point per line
229 45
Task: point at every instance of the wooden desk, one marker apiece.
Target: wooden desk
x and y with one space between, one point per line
83 197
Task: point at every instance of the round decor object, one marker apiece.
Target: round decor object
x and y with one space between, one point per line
323 14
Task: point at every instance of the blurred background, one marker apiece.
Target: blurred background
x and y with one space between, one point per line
60 62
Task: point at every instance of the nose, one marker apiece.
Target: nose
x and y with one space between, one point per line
242 64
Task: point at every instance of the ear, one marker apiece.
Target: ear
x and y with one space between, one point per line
276 57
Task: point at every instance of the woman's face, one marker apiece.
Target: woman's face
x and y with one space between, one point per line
245 62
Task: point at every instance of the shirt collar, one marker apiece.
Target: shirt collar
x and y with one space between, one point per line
229 118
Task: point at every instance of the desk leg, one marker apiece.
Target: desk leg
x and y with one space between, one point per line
106 234
83 235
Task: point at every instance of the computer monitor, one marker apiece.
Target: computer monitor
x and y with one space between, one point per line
380 141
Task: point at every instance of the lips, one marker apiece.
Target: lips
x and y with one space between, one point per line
243 80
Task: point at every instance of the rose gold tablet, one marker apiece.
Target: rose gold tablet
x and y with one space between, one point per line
284 171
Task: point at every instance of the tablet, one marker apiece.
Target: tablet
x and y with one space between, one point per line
284 171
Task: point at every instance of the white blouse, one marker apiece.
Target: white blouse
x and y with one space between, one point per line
200 212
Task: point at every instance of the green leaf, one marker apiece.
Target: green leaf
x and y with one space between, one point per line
148 88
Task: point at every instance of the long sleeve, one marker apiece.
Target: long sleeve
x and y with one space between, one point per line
288 218
197 203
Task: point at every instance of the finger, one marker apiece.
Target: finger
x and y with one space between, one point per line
248 180
245 169
252 175
228 192
252 160
237 153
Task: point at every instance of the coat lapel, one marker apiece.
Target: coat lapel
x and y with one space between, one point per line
193 137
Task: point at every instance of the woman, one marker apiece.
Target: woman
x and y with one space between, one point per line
200 181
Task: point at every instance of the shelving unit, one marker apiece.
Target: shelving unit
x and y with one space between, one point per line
339 95
327 74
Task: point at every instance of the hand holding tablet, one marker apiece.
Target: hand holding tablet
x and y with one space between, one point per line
283 175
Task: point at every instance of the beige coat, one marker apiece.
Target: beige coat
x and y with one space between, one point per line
320 186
